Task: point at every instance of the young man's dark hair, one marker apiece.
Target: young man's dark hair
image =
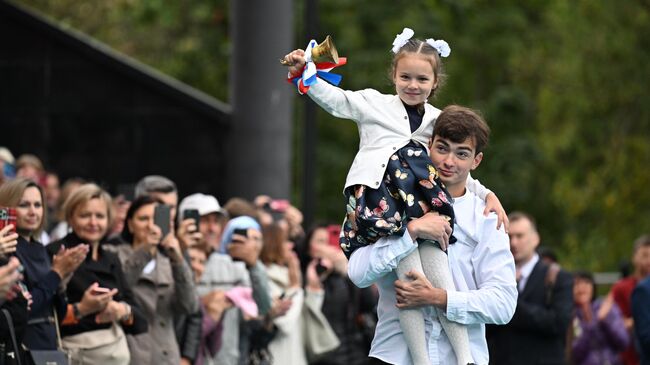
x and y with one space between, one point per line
456 123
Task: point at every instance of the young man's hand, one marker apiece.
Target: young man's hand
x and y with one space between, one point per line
418 292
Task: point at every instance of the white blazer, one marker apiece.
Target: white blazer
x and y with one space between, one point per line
383 127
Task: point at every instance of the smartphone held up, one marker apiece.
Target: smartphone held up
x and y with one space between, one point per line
7 217
162 218
194 215
241 232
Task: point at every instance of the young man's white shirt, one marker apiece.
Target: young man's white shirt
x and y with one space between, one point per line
483 270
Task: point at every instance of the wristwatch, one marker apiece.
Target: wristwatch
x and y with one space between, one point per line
126 316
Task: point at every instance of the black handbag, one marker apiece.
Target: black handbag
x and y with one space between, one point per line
50 357
10 357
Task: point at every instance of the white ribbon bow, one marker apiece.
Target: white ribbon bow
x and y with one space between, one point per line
401 39
441 46
310 70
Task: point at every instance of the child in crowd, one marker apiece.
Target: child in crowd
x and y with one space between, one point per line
392 179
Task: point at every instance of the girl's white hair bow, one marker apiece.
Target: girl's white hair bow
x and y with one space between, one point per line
401 39
441 46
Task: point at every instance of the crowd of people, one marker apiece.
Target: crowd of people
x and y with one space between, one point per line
99 278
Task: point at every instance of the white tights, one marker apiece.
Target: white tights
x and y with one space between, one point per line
432 261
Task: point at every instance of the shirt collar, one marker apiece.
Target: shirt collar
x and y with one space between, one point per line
527 268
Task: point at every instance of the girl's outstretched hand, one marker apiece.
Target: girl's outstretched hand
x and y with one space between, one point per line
492 204
296 61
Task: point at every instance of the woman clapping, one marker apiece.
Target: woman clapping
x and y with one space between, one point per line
103 305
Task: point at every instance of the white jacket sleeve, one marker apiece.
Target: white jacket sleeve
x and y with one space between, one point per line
338 102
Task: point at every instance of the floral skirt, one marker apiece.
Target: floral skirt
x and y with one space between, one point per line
410 188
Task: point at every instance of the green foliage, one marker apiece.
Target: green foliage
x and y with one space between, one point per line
563 85
185 39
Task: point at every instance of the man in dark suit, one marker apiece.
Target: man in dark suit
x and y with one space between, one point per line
537 332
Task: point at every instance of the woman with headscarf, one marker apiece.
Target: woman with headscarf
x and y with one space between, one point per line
236 264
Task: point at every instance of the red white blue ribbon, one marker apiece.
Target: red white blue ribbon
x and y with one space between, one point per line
312 71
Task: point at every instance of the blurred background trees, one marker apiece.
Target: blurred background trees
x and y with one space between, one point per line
563 85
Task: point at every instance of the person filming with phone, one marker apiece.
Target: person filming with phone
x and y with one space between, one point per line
102 307
13 300
160 278
349 310
8 235
236 264
44 278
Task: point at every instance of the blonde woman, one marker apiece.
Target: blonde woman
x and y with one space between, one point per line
43 276
103 305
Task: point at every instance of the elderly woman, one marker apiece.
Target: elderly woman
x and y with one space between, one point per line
44 278
161 281
104 306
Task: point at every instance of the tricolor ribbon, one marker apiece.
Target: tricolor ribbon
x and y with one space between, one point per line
312 71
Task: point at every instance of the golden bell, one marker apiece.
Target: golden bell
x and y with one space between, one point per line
324 52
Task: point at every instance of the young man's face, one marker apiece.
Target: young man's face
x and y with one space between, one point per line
454 162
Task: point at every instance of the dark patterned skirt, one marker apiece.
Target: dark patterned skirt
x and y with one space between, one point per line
411 188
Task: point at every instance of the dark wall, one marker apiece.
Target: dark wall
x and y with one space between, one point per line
88 114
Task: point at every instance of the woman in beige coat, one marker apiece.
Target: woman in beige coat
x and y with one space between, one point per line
161 281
